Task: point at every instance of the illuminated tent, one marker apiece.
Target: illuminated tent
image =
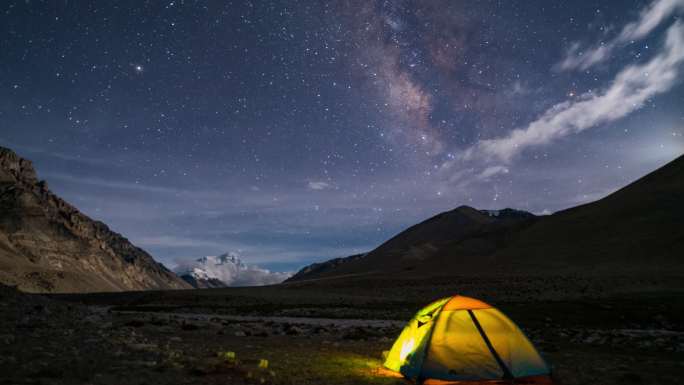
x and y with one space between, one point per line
463 339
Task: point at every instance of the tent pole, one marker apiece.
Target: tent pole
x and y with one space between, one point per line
507 375
420 378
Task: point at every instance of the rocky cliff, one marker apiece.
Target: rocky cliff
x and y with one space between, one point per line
47 245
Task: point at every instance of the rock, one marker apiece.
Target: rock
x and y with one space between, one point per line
593 338
292 330
189 326
240 333
136 323
47 372
8 359
143 347
7 339
358 333
630 378
59 238
140 363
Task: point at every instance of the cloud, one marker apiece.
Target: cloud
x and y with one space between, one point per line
649 18
99 161
518 88
492 171
320 185
113 184
256 276
630 89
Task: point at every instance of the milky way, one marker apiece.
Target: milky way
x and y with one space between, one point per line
291 132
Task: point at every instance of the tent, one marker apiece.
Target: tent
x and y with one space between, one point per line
460 339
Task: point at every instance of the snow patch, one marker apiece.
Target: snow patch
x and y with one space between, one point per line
229 269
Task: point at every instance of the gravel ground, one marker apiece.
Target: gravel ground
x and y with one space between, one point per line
48 341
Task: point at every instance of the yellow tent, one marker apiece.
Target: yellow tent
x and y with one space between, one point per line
460 339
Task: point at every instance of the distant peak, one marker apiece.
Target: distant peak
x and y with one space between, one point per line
507 213
227 269
467 211
465 208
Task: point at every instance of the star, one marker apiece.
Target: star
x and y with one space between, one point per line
331 108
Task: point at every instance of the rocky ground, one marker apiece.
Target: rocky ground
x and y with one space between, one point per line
285 336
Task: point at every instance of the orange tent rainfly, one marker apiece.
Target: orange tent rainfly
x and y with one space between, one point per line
462 340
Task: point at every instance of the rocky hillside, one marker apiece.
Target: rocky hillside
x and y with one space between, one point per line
47 245
637 230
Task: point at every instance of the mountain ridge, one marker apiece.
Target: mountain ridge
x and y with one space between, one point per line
636 230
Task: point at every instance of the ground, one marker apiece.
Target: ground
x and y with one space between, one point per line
313 335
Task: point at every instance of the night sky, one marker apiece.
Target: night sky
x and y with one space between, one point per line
293 132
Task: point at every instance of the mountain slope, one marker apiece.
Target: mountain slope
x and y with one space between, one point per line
462 232
321 268
638 230
47 245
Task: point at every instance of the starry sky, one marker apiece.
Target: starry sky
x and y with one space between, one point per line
296 131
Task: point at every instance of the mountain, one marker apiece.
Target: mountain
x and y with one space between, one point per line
316 269
47 245
464 230
225 270
638 230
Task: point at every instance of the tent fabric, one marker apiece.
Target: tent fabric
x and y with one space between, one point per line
532 380
463 339
459 302
510 343
407 353
455 335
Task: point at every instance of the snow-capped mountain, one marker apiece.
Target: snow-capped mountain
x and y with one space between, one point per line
226 270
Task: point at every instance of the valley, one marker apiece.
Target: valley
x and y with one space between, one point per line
310 335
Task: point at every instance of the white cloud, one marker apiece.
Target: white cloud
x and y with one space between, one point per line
58 155
630 89
518 88
649 18
320 185
114 184
491 171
